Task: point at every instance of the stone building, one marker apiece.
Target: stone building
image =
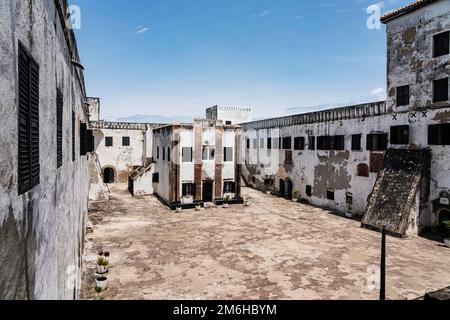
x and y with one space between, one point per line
229 114
337 158
44 177
197 162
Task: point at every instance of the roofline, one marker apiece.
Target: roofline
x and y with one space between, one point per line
405 10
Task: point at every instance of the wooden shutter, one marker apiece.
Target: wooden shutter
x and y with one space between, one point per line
184 189
59 127
369 142
24 181
83 139
90 141
34 122
73 135
432 134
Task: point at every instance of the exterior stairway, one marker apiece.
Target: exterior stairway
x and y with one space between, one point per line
140 181
401 187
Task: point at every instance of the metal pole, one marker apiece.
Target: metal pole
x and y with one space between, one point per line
383 266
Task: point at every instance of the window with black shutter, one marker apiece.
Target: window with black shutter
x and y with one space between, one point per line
356 142
164 153
312 143
287 143
188 189
324 143
440 90
155 177
400 135
109 142
90 141
269 143
59 127
73 135
439 134
125 141
28 122
248 143
441 44
229 187
299 143
83 139
157 152
168 154
338 143
377 142
402 96
330 195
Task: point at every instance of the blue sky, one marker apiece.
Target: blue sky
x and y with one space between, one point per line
174 58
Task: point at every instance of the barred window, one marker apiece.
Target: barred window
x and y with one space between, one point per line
125 141
402 96
441 44
299 143
59 127
356 142
400 134
440 90
109 142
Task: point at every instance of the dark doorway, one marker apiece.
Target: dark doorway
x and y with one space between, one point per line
289 187
108 175
444 215
282 188
207 192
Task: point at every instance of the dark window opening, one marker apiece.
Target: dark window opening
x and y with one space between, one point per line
108 175
299 143
229 187
73 135
59 127
28 122
356 142
440 90
402 96
439 134
83 139
338 143
248 143
227 154
168 154
164 153
157 152
109 141
228 123
312 143
186 154
125 141
90 141
330 195
400 135
441 44
287 143
288 160
269 143
188 190
324 143
155 177
309 191
377 142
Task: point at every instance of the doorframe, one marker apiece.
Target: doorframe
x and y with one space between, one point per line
211 182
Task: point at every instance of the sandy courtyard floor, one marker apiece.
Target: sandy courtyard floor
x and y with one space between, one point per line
274 249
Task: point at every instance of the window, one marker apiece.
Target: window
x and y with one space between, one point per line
288 159
188 189
441 44
312 143
439 134
208 153
356 142
440 90
229 187
400 135
330 195
248 143
59 128
109 141
28 120
227 154
157 152
255 143
73 135
324 143
186 154
90 141
269 143
83 137
125 141
362 170
377 142
402 96
261 143
228 123
309 191
155 177
164 153
168 154
287 143
338 143
299 143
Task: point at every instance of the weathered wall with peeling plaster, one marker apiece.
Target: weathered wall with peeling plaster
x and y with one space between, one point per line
41 232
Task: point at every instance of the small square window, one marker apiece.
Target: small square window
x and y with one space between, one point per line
439 134
338 143
441 44
440 90
155 177
287 143
229 187
377 142
330 195
109 141
125 141
299 143
400 135
403 96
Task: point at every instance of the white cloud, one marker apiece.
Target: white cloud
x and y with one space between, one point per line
142 29
380 93
262 14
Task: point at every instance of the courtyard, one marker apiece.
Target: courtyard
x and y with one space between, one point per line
273 249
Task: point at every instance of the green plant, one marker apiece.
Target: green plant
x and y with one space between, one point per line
98 290
101 261
446 224
227 199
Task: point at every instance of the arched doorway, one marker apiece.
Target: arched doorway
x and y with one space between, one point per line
443 215
289 188
282 188
108 175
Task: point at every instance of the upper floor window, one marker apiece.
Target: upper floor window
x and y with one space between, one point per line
338 143
440 90
377 142
109 141
157 152
287 143
261 143
168 154
402 96
299 143
312 143
248 143
356 142
439 134
186 154
59 127
227 154
269 143
441 44
126 141
209 153
400 135
164 153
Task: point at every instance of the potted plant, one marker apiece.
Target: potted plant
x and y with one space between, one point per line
98 290
198 205
295 195
226 202
102 265
246 202
101 282
179 209
447 238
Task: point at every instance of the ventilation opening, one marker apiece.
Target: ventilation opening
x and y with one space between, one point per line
330 195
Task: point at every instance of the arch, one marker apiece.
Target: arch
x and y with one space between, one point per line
288 189
109 175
